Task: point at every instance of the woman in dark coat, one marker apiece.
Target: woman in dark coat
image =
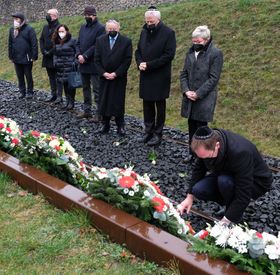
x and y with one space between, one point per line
113 54
154 54
64 62
199 80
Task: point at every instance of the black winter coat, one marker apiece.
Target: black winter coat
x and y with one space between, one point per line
118 60
64 58
23 49
86 45
158 49
46 44
240 158
201 75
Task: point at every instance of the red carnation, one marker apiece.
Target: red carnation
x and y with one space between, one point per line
158 204
35 134
156 187
15 141
2 125
9 129
259 235
133 175
126 182
57 147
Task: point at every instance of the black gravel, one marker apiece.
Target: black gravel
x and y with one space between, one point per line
101 150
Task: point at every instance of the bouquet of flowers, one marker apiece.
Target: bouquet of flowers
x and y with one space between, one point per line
10 134
258 253
137 195
53 155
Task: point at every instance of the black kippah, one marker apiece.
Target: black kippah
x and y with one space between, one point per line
152 8
203 133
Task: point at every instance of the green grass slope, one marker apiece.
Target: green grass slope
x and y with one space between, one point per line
248 33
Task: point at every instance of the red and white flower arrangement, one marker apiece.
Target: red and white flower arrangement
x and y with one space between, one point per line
10 133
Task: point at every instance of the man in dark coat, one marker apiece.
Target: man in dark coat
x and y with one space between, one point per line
154 54
237 172
46 46
86 48
23 50
199 80
113 54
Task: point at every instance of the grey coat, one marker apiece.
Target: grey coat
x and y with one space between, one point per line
201 75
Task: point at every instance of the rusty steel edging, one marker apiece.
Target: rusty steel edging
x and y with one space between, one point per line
141 238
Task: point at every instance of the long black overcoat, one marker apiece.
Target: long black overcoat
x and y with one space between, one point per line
157 48
118 60
201 75
23 49
46 43
86 45
64 58
240 158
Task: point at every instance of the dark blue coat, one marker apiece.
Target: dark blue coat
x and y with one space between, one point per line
240 158
118 60
23 49
86 45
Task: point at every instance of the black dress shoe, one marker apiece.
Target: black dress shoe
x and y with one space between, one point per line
105 129
51 99
97 118
29 96
220 213
84 115
146 138
156 140
121 131
70 106
58 100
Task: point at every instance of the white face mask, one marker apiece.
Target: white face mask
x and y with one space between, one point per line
16 24
62 34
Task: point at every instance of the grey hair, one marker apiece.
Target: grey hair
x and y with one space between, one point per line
114 22
202 32
154 13
54 11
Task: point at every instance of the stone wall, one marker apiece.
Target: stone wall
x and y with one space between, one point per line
36 9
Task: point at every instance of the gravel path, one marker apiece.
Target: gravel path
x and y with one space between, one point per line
101 150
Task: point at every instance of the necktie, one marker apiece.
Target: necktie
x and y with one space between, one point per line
112 42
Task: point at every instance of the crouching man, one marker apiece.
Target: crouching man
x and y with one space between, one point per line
237 172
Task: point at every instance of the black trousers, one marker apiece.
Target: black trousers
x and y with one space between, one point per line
69 93
88 80
118 119
52 80
24 71
193 126
154 116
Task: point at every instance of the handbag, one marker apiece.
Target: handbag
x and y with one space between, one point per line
74 78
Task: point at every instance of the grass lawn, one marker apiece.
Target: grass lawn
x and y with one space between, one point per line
37 238
247 31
